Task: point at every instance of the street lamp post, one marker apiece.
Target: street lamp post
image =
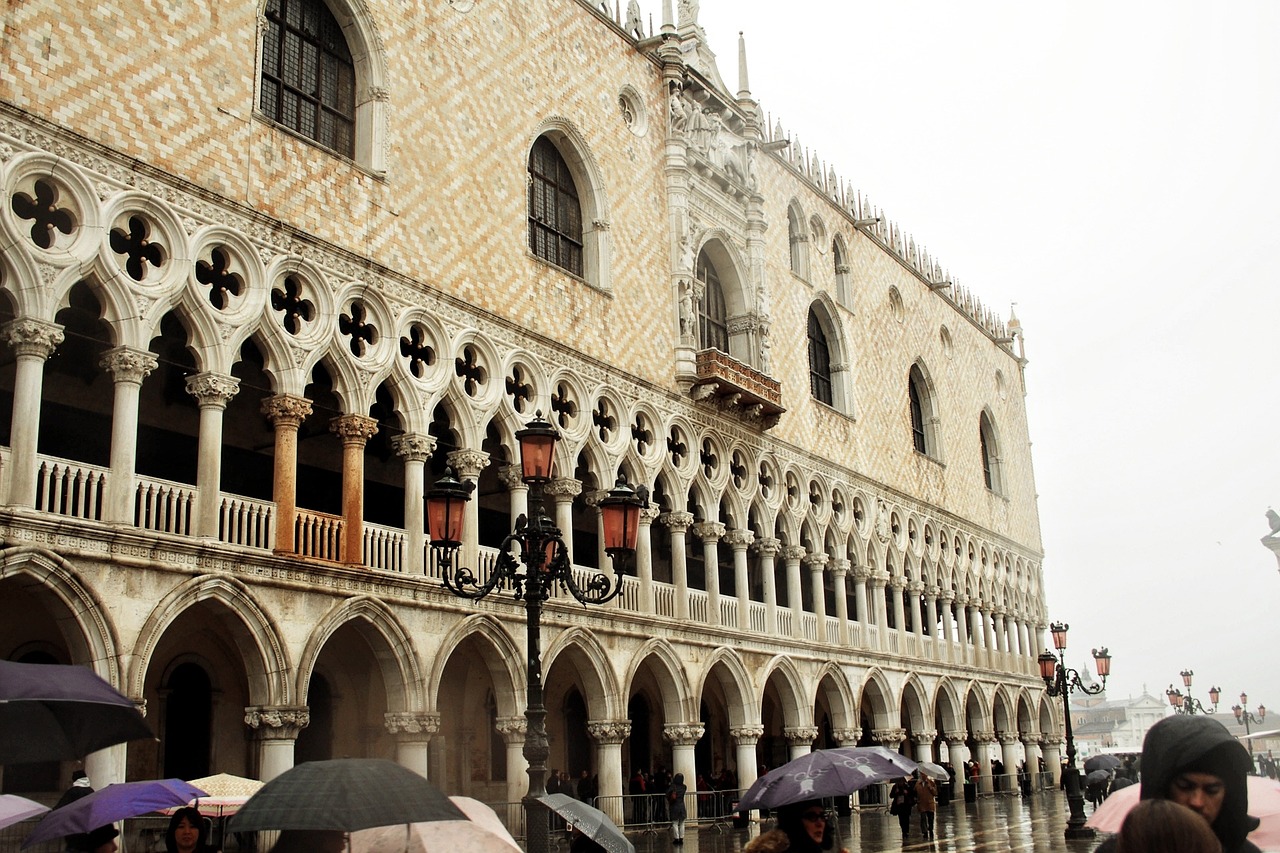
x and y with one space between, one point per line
1243 716
1188 704
1059 680
532 560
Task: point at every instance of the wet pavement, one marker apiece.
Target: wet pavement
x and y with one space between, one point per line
1008 824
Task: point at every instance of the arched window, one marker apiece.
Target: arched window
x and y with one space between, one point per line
798 237
308 76
819 361
988 446
840 264
555 214
924 416
713 327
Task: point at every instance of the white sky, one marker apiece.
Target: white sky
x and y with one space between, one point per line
1111 167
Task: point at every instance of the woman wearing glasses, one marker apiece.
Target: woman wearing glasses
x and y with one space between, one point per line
802 828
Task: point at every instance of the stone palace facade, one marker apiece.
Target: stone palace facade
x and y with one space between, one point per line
269 266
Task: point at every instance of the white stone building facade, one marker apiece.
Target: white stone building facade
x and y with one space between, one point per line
242 342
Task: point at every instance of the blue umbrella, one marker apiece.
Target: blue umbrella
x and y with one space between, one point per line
110 804
826 773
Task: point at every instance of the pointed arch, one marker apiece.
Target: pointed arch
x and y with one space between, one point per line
602 691
578 188
504 664
925 422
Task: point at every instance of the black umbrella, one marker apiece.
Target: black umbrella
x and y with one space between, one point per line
50 711
1101 762
344 794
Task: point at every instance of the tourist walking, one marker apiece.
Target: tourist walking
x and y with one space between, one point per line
676 811
926 804
901 801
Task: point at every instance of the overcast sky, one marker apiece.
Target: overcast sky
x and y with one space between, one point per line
1111 167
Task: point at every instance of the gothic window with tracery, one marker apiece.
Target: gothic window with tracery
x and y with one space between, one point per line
819 361
713 326
308 75
555 214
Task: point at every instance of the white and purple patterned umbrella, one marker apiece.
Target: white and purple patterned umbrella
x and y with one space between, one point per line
15 809
826 773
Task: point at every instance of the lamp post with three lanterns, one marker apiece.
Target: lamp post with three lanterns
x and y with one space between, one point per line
531 561
1243 716
1188 704
1059 680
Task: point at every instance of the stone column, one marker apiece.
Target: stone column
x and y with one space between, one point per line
988 641
1009 743
923 743
745 739
984 741
817 566
412 732
212 392
275 728
683 737
415 450
513 730
467 465
1053 757
354 431
286 413
948 627
931 619
32 342
898 583
563 490
644 558
975 631
799 740
710 532
958 756
678 523
1031 748
128 367
609 735
517 491
768 549
914 589
840 570
792 555
739 540
861 574
879 580
107 766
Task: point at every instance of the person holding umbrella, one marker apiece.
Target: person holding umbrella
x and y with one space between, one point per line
926 803
187 832
100 840
676 811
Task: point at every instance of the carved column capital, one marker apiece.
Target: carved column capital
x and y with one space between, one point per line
817 562
649 514
410 723
126 364
609 731
563 487
32 337
915 587
840 567
467 463
414 447
767 546
796 735
793 553
277 722
924 738
678 522
213 389
898 582
739 539
712 530
1007 738
879 579
984 737
512 729
955 736
846 736
746 735
889 737
683 734
286 409
861 573
354 429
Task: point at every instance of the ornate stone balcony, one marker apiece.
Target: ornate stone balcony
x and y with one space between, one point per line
737 387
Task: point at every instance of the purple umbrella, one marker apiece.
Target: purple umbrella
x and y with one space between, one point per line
826 773
15 809
50 711
113 803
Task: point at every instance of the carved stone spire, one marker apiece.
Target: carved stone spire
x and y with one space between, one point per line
744 88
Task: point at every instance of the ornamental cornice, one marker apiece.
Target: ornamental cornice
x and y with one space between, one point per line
609 731
846 736
412 723
683 734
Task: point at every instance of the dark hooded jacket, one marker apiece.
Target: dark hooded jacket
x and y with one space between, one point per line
1199 744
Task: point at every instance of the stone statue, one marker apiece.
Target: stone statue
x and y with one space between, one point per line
686 308
1273 519
675 108
688 12
634 24
699 128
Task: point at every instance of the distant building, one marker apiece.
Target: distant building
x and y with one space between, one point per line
1099 723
